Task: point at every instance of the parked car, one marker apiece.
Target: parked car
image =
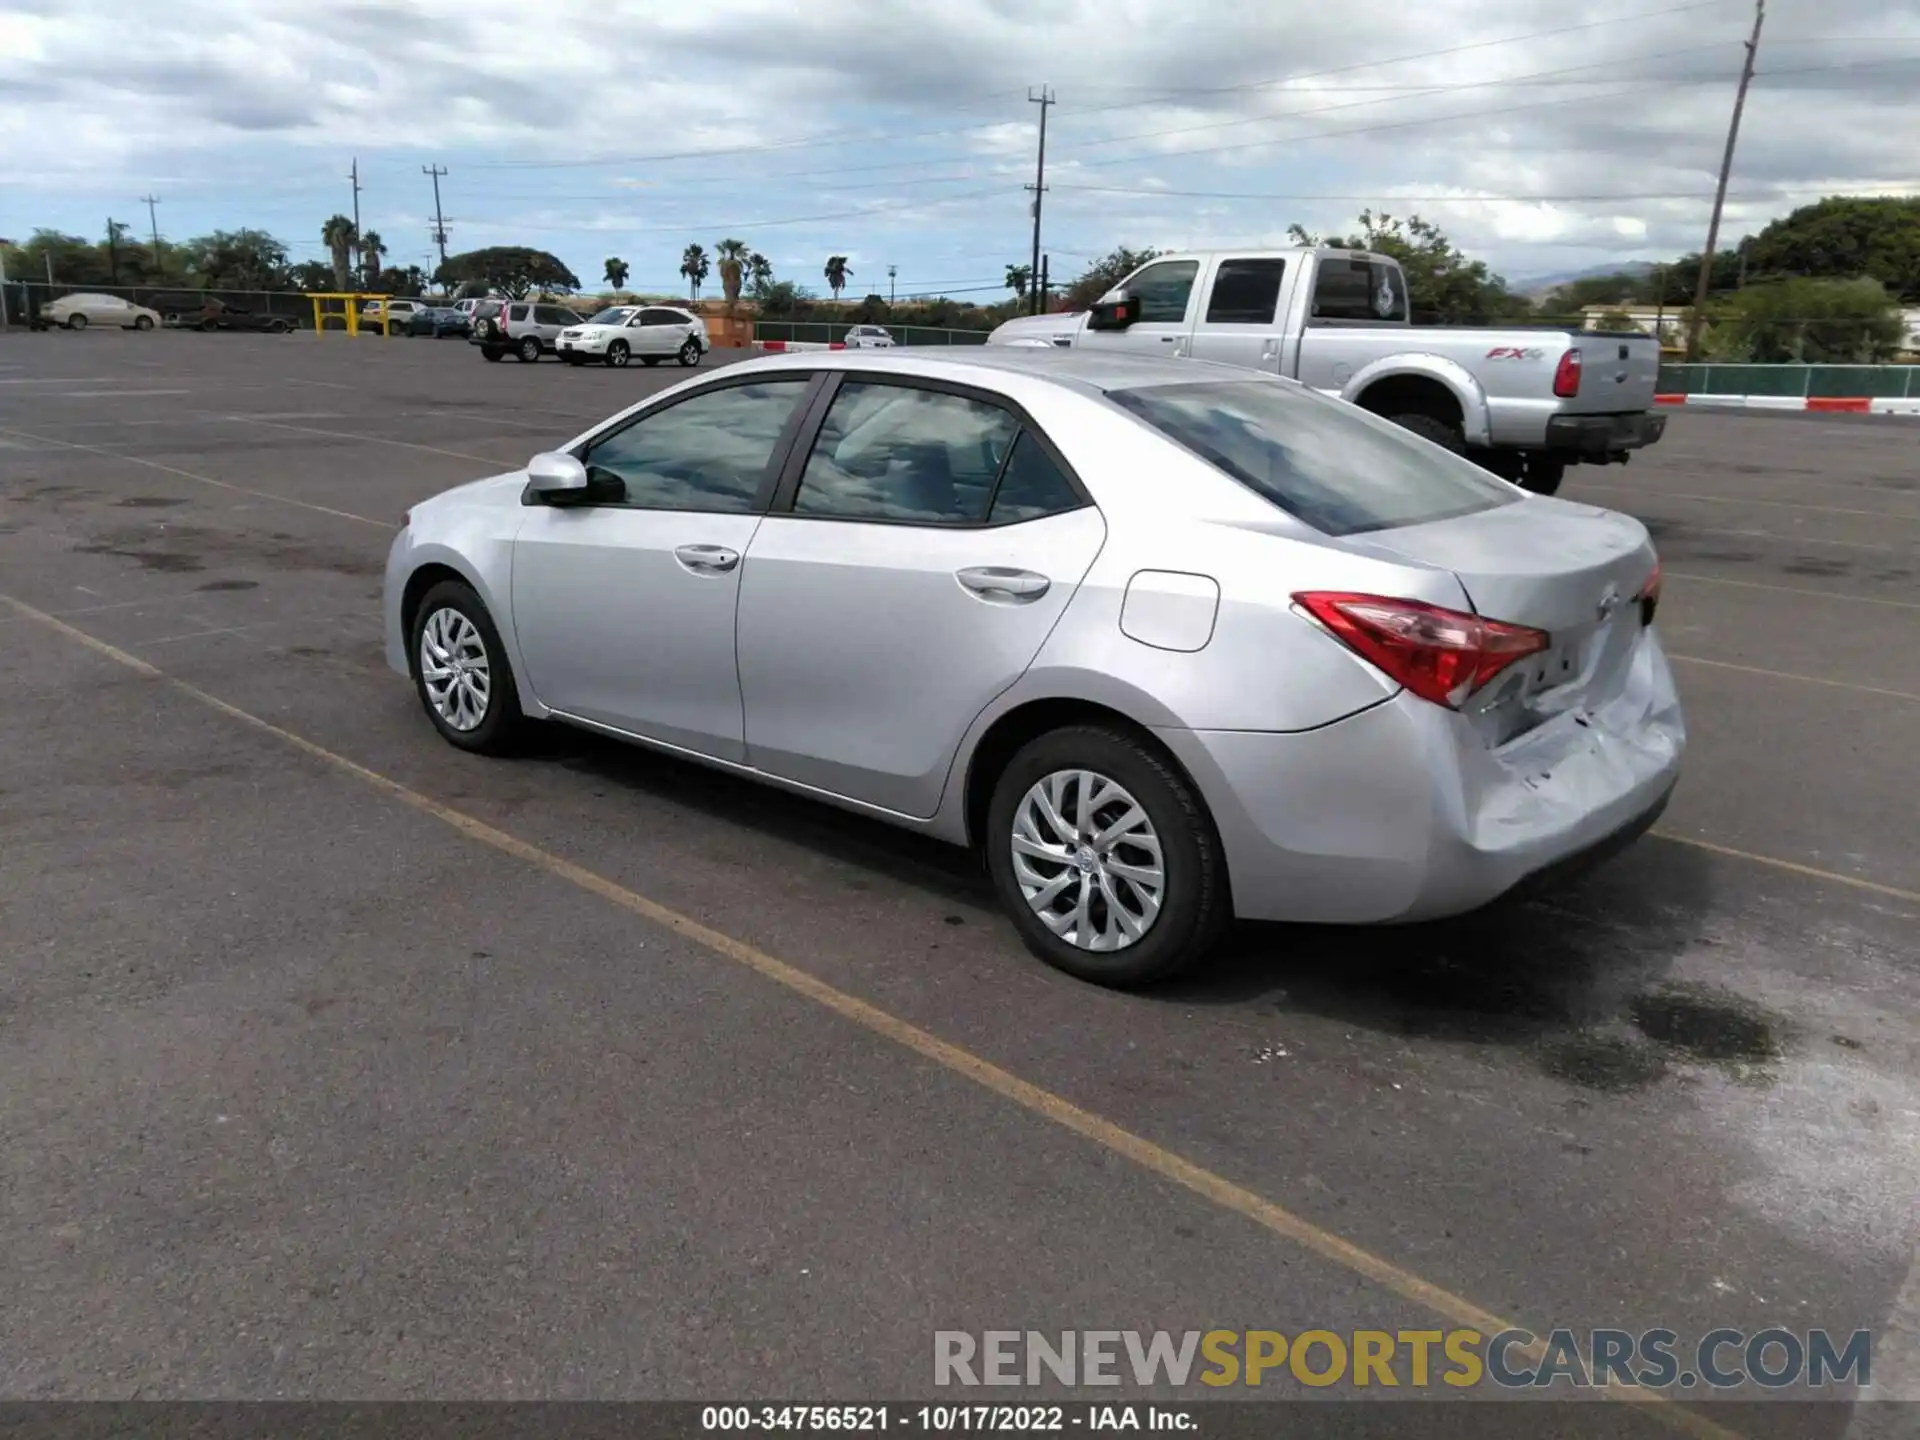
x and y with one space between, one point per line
1524 402
76 312
400 315
1167 641
869 337
524 329
647 333
439 321
216 314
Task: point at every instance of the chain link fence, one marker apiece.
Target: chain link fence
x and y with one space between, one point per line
822 332
175 304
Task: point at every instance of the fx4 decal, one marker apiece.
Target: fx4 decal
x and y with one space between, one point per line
1513 352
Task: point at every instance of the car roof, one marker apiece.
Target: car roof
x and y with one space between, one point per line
1089 371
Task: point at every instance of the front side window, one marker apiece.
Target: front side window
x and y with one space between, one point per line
618 315
890 452
709 452
1334 467
1164 289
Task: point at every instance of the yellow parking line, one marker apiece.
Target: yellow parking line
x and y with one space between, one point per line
1793 867
1792 590
955 1059
195 476
1791 675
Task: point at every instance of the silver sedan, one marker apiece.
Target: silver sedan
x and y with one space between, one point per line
1168 642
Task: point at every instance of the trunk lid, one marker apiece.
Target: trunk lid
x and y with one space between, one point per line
1571 570
1618 373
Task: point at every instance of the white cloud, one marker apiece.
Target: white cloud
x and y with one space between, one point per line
644 125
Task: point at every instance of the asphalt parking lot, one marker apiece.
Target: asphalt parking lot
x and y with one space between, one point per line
338 1063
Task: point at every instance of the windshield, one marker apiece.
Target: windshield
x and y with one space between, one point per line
1337 468
617 315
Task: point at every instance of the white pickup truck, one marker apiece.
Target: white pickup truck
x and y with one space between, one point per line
1523 402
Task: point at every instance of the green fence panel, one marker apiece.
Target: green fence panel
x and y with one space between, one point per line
1881 381
1757 380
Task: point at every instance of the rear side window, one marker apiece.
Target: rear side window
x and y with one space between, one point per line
557 315
1336 468
518 312
1031 486
1359 289
891 452
1246 292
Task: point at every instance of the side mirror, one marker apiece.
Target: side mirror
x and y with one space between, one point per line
554 478
1114 312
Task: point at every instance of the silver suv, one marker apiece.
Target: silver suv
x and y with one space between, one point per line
525 329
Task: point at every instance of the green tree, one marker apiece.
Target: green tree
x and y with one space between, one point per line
1103 275
1809 322
784 300
873 310
696 267
75 259
1018 278
373 250
732 255
239 260
407 282
311 275
1841 238
837 272
616 272
1444 287
339 236
513 270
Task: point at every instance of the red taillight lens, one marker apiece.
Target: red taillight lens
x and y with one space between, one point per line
1650 595
1440 655
1566 375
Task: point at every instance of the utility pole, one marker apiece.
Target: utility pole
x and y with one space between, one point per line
113 250
153 225
3 283
1045 101
892 270
354 176
1045 260
439 220
1698 317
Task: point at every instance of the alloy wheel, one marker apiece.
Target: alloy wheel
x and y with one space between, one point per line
1088 860
454 669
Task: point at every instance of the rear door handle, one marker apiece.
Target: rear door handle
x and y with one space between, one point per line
1001 584
707 559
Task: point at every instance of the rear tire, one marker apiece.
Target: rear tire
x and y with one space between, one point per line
1191 907
1432 427
465 642
690 354
529 350
1543 474
76 321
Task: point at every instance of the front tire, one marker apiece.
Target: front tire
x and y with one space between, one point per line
690 354
461 673
143 322
618 353
529 350
1105 857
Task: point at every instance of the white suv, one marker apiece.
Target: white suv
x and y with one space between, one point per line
622 334
525 329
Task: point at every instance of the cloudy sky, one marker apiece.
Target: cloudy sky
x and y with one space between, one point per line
899 132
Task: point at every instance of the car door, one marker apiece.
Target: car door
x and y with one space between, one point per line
1240 314
1167 303
624 604
660 331
917 555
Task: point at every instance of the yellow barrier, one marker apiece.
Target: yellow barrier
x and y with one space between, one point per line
353 303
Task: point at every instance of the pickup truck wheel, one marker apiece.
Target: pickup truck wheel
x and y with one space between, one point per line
1543 475
1430 427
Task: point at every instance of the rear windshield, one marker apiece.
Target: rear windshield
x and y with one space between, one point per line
1330 465
485 308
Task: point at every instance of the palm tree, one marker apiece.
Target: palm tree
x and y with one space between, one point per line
759 271
732 255
372 247
695 266
616 272
837 273
1018 278
339 237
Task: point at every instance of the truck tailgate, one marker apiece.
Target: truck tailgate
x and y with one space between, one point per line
1617 373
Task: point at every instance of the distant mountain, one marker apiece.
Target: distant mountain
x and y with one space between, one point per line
1534 286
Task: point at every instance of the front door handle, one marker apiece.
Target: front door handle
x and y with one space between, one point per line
707 559
1001 584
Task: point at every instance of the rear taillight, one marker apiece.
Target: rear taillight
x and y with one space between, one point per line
1650 595
1566 375
1440 655
501 323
